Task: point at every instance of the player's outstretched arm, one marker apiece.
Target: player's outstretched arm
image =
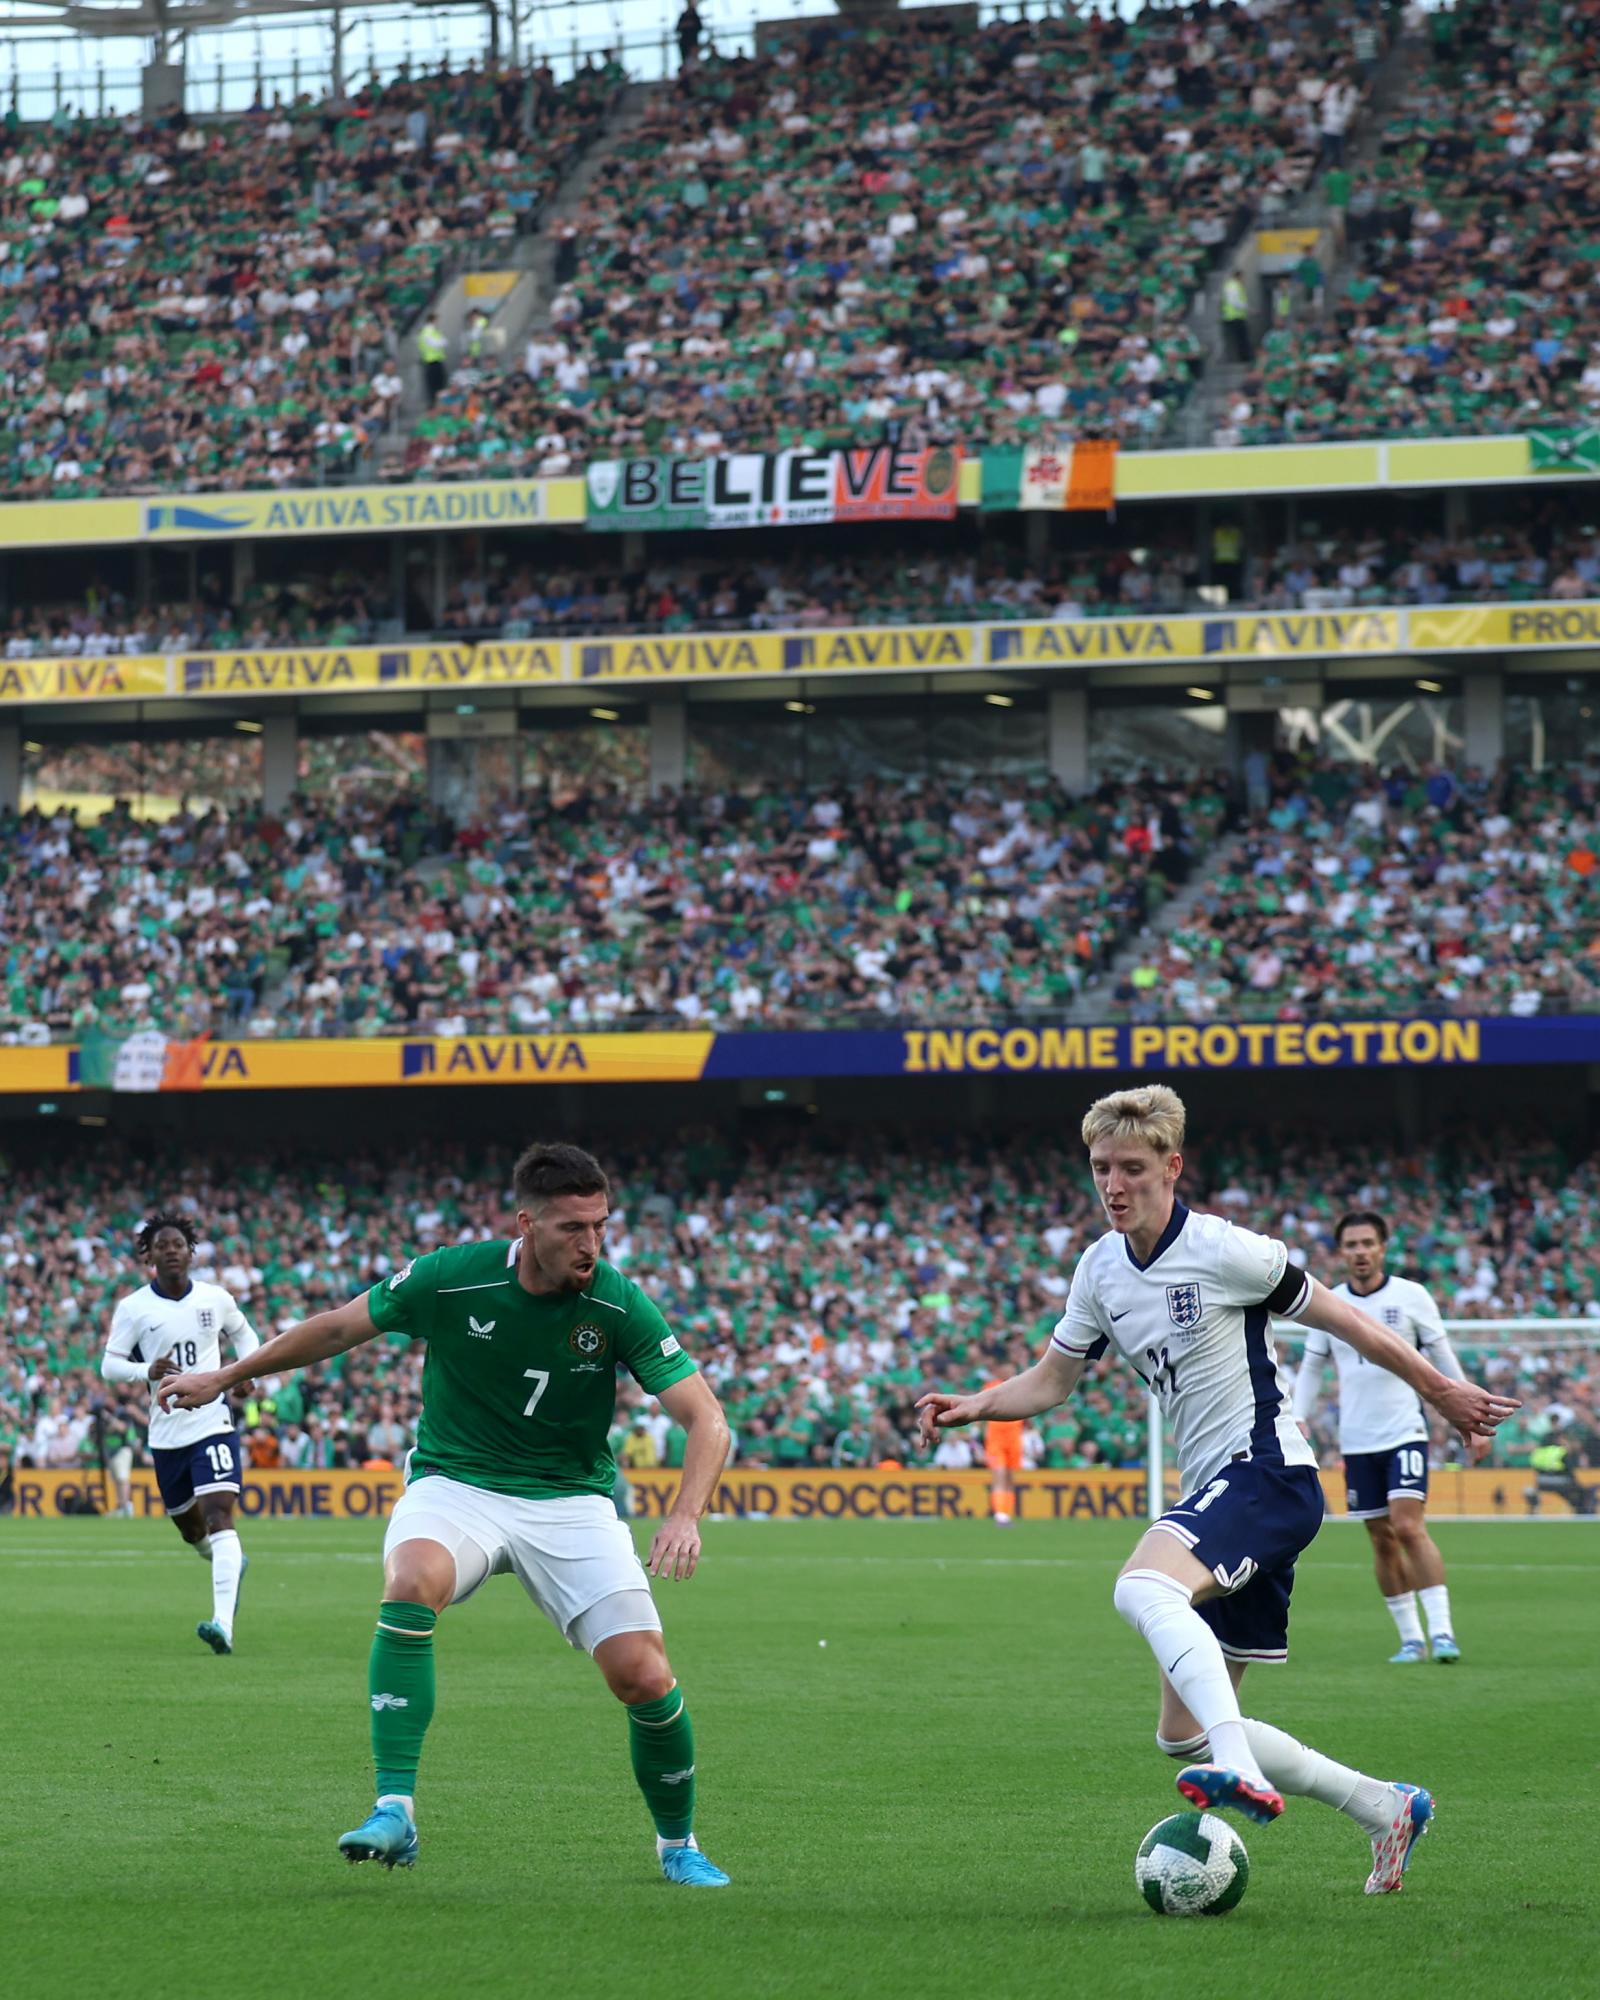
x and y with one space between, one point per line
1308 1386
314 1339
1473 1411
692 1403
1051 1380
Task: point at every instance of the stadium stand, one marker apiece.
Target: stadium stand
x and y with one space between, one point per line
373 916
896 1260
1349 894
1419 892
1468 301
1544 551
220 304
991 237
896 233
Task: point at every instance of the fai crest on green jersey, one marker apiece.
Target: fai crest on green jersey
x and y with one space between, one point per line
589 1341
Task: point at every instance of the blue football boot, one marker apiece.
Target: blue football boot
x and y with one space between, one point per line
388 1834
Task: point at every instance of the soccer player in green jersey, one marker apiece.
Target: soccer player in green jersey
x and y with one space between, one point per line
512 1471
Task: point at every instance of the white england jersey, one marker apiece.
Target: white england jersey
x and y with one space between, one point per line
1376 1409
1196 1323
147 1325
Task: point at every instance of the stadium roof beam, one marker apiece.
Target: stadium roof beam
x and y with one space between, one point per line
158 18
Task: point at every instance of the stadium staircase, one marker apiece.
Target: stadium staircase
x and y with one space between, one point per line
546 246
532 259
1222 379
1090 1004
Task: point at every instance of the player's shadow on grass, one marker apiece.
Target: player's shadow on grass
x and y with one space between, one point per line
1114 1918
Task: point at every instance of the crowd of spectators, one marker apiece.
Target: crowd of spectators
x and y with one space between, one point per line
364 916
1471 298
984 237
1422 892
820 1285
910 231
1326 890
219 304
1546 554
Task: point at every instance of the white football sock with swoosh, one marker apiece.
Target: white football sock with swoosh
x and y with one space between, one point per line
1160 1610
227 1566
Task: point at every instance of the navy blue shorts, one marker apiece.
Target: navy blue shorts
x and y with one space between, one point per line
1247 1526
211 1465
1373 1478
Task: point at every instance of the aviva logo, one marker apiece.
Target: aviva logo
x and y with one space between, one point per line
183 519
485 1056
482 1328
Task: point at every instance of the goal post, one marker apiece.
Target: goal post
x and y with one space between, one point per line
1521 1336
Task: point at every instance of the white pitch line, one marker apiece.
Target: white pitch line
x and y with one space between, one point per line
1105 1563
39 1559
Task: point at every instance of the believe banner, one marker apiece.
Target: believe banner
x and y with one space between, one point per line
773 489
1075 478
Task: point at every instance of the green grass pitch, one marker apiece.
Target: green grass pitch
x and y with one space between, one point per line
944 1800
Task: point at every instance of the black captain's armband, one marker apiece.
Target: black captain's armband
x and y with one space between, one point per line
1289 1294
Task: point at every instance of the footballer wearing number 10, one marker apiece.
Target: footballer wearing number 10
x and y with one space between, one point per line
512 1472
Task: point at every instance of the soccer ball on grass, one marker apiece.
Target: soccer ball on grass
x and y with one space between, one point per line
1191 1865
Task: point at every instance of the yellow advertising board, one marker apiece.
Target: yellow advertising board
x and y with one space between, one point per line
1286 242
852 649
275 1495
331 510
370 668
38 1072
359 510
1279 636
1489 461
1507 628
885 1493
151 1062
679 657
125 677
1245 635
70 524
511 503
1324 468
288 1065
1277 468
625 1058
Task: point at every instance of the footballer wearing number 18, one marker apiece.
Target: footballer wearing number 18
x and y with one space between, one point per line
1187 1300
512 1473
172 1323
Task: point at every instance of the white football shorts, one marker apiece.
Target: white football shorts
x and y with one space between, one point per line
569 1554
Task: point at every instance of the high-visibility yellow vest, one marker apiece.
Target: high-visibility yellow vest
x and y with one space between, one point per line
431 343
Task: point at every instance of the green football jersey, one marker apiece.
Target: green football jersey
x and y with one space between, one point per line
518 1392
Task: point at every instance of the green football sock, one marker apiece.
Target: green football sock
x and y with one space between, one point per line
661 1737
400 1681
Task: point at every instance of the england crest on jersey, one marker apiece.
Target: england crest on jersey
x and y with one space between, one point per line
1183 1305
